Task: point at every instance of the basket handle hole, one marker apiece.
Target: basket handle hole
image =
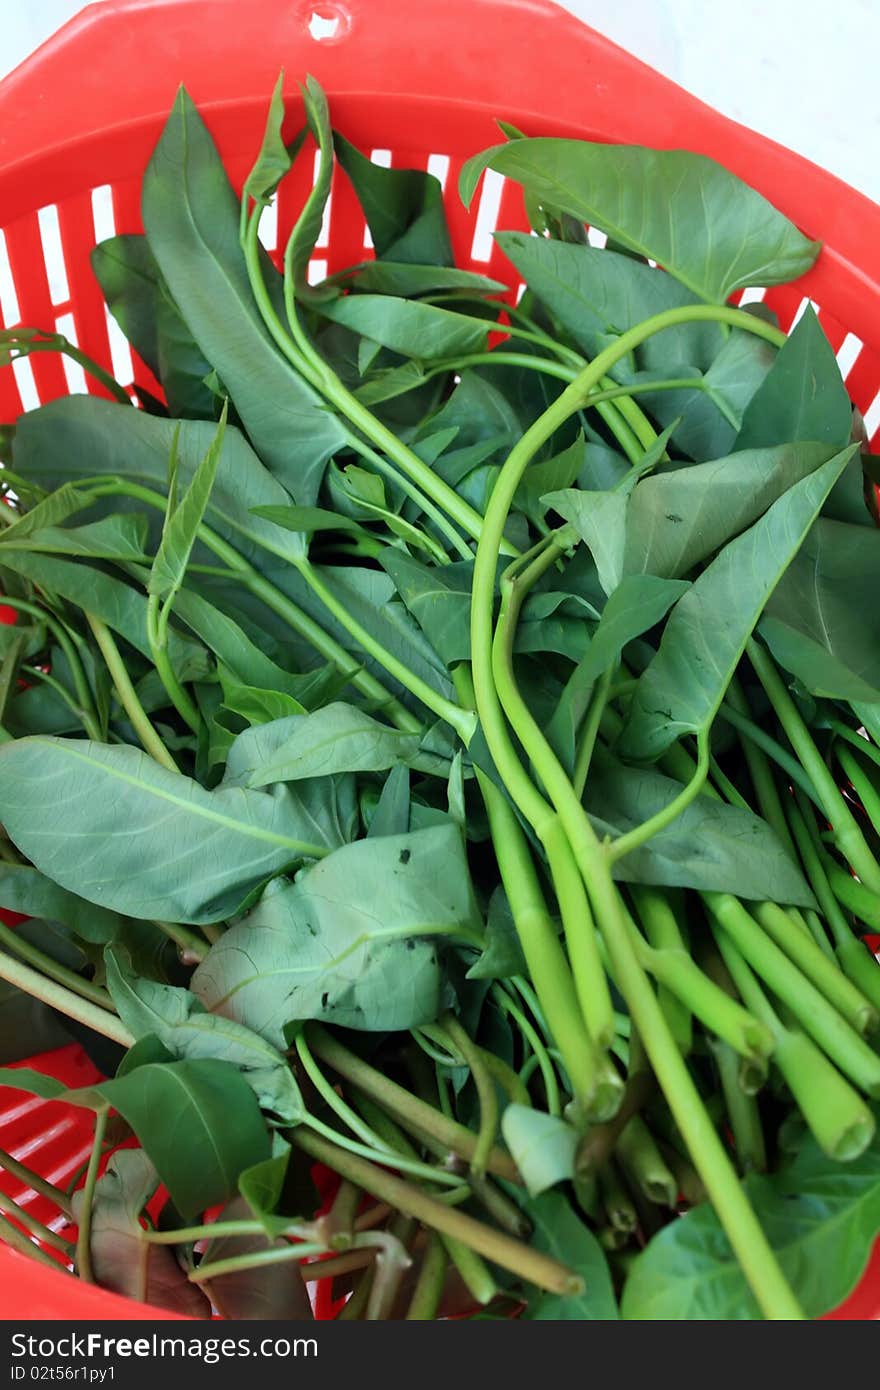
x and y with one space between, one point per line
327 22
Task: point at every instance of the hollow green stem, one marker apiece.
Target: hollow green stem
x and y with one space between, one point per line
472 1270
33 1180
854 958
854 896
742 1111
462 721
87 1197
849 1001
862 784
12 1211
737 1217
813 1011
318 373
493 1245
540 1058
753 733
127 695
486 1093
13 941
406 1108
16 1240
847 833
590 731
837 1117
659 920
157 638
414 1167
641 1160
425 1302
15 972
640 834
258 1260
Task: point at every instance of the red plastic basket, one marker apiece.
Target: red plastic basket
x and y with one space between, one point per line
420 85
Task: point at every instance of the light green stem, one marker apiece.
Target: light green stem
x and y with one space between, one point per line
150 740
84 1235
737 1217
64 1000
640 834
847 833
15 942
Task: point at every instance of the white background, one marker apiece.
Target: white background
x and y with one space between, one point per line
801 71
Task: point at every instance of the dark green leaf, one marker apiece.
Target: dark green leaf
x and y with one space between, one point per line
211 1127
403 208
273 160
77 437
502 954
691 215
191 217
802 397
707 630
139 300
677 519
116 603
559 1231
307 227
409 327
391 813
349 941
710 845
337 738
396 277
110 538
822 623
232 647
183 521
820 1217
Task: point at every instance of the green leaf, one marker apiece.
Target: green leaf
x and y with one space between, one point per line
403 208
191 217
559 1231
122 1260
337 738
326 807
307 227
600 520
273 160
50 511
116 603
349 942
439 600
391 812
710 845
596 295
803 395
542 1146
308 520
408 281
255 705
145 835
232 647
502 954
76 437
677 519
109 538
820 1217
702 224
211 1126
177 1018
409 327
183 521
707 630
25 889
638 602
141 304
822 622
551 475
